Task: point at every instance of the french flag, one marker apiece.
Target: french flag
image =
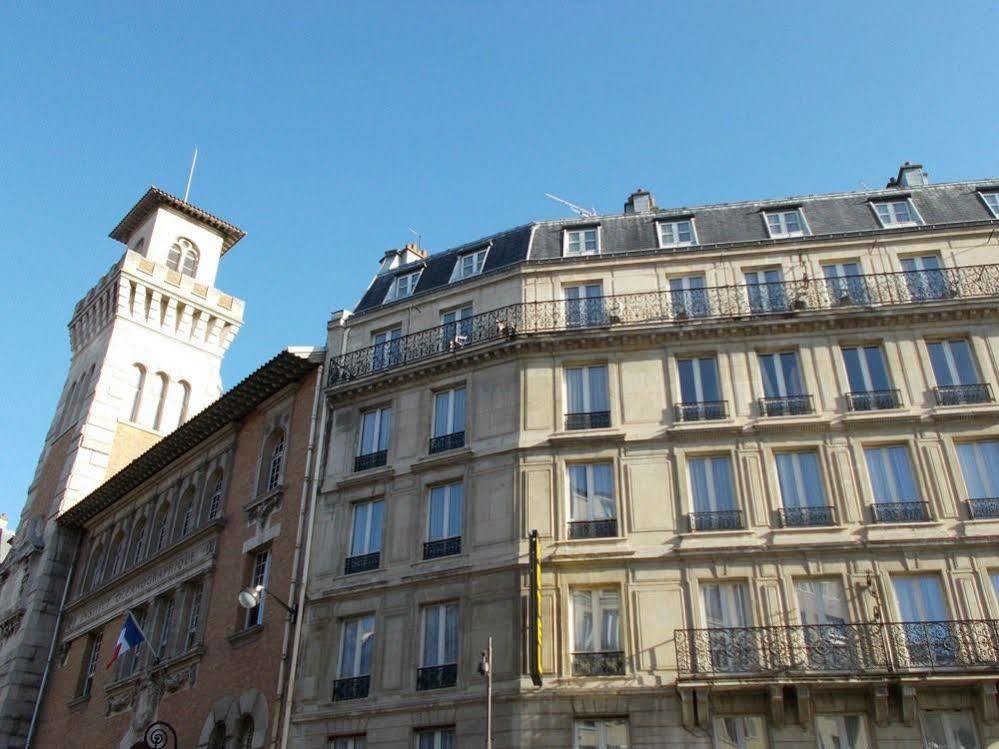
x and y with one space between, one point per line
130 637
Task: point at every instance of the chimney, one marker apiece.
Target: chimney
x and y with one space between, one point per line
640 201
909 175
392 259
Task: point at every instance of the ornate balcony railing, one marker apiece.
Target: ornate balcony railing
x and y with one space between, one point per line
901 512
963 395
353 688
437 677
735 302
589 420
983 508
370 460
604 663
442 547
873 400
804 517
786 405
700 411
447 442
838 649
362 563
722 520
593 528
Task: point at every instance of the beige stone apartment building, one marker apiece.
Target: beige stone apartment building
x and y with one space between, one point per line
759 442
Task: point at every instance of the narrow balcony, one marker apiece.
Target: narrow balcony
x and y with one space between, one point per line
873 400
447 442
720 520
786 405
700 411
606 528
604 663
589 420
901 512
963 395
370 460
437 677
362 563
442 547
352 688
822 650
806 517
737 302
983 508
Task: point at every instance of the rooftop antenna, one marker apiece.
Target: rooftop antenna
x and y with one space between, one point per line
190 174
578 210
419 237
864 185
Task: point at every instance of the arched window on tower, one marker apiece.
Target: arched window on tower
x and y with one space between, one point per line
163 387
137 384
184 257
185 400
140 246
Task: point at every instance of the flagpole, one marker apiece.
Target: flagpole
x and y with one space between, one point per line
142 632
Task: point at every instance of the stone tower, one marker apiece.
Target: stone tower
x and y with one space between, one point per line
147 345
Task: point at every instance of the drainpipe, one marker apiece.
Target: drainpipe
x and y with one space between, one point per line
306 519
52 645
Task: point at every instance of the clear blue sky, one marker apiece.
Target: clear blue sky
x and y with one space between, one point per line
326 131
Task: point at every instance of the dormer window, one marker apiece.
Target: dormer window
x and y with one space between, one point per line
677 233
403 286
896 213
469 264
788 223
992 201
584 241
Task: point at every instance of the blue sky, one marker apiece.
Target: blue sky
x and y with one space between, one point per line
327 130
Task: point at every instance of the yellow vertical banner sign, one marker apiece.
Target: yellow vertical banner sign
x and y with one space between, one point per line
535 610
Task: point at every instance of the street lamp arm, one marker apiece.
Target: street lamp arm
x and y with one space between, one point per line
251 597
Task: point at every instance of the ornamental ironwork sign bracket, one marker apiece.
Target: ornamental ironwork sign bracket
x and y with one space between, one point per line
159 735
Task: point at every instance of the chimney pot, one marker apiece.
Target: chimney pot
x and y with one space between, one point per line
909 175
640 201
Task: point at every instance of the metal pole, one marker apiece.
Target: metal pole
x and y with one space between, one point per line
489 696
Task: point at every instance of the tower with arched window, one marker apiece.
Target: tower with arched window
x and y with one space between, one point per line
147 344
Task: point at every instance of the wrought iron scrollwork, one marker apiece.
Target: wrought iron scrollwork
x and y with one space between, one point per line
159 735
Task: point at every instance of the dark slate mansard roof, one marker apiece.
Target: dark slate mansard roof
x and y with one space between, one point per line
727 224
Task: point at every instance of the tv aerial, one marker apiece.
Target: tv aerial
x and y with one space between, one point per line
578 210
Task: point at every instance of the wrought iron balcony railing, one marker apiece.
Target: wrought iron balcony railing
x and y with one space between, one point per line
437 677
589 420
603 663
901 512
593 528
721 520
963 395
983 508
362 563
873 400
447 442
838 649
442 547
700 411
735 302
804 517
353 688
786 405
370 460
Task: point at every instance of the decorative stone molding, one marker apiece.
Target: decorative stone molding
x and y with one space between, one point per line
260 508
880 696
804 707
909 705
10 625
688 710
703 707
987 702
777 705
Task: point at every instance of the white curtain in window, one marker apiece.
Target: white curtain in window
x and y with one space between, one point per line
711 483
800 479
591 489
980 468
892 477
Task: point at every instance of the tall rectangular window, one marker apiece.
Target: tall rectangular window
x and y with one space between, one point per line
786 223
193 635
949 729
992 201
258 577
449 420
456 326
841 732
584 305
582 241
366 536
930 638
604 733
592 505
740 732
689 296
444 522
893 481
386 348
783 391
924 277
980 468
958 381
587 401
469 264
801 489
164 637
677 233
867 372
895 213
713 494
700 390
438 738
821 602
845 284
727 614
403 286
350 742
439 652
90 658
357 647
375 427
765 289
596 632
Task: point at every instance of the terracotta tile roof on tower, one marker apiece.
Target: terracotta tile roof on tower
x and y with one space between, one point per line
156 197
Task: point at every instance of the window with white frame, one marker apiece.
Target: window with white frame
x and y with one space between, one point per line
366 528
90 658
892 477
437 738
457 326
449 411
953 363
841 732
440 635
167 610
187 513
677 233
386 348
711 484
602 733
925 278
922 606
194 596
215 500
591 492
766 291
689 296
275 458
469 264
727 614
260 566
788 223
585 304
582 241
992 201
444 519
596 620
800 479
403 285
821 602
349 742
949 729
740 732
356 647
896 213
920 598
375 427
586 391
781 373
845 283
980 468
